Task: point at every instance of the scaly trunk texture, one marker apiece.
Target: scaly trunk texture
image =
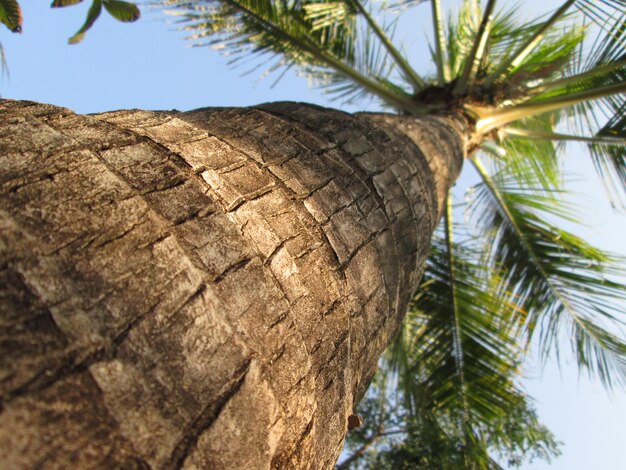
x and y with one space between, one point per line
209 289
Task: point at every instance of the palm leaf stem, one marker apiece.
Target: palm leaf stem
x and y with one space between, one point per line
443 67
518 57
477 51
458 346
489 118
539 135
482 171
574 79
417 81
323 56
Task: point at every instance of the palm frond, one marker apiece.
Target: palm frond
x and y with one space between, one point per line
441 51
600 67
460 36
612 168
456 359
477 51
301 35
535 162
599 11
544 59
610 161
458 337
370 59
560 280
409 73
523 51
544 50
490 118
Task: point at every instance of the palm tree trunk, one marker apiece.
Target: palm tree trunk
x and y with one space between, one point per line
209 289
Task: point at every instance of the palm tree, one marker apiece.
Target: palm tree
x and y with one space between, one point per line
501 95
516 277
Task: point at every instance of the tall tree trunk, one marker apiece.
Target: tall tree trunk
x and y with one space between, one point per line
209 289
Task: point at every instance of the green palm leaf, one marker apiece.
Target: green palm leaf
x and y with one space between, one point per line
92 15
11 15
534 159
318 37
599 10
599 66
563 283
456 360
460 35
610 161
370 59
459 338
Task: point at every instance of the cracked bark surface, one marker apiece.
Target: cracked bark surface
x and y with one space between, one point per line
207 289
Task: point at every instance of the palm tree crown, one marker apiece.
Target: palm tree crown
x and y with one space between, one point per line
510 277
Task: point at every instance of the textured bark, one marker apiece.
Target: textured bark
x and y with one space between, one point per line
208 289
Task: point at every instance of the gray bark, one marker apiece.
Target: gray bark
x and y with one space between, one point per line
209 289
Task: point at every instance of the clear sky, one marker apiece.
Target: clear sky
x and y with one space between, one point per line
147 65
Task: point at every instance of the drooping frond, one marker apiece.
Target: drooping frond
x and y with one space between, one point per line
563 283
456 360
458 338
610 158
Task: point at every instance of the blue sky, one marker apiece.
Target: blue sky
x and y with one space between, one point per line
147 65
